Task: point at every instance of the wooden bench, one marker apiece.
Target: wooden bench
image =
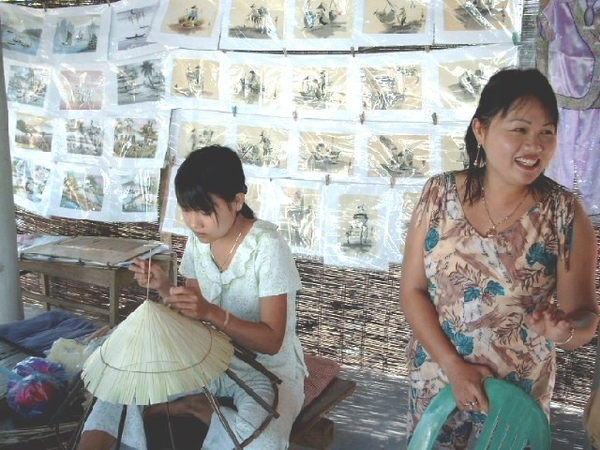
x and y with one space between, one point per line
311 428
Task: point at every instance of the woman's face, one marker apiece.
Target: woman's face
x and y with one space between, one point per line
520 145
210 227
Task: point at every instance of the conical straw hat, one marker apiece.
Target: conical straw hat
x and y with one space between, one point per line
154 353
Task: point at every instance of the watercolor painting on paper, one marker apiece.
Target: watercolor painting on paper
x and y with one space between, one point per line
195 78
195 135
358 224
84 137
29 179
395 16
135 138
252 19
82 191
140 82
392 87
400 156
27 85
327 152
262 146
320 87
324 19
299 213
81 89
33 133
21 29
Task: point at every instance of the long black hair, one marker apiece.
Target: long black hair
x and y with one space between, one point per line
506 89
215 170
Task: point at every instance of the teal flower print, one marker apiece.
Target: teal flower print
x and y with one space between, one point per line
463 343
420 356
448 329
472 293
494 288
523 333
526 383
432 239
538 254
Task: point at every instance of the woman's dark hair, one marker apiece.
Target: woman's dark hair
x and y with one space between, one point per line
215 170
506 89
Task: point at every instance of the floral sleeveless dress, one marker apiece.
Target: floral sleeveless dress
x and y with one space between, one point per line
483 287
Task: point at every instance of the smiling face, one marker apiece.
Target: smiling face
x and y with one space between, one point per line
520 144
209 227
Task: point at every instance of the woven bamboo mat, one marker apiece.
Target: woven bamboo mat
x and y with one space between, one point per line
352 316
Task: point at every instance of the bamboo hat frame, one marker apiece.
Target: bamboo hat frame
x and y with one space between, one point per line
156 353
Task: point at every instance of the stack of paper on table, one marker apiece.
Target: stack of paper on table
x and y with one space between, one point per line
93 250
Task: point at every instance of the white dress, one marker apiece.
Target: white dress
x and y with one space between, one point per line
262 266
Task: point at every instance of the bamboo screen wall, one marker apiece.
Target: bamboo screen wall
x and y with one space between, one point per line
352 316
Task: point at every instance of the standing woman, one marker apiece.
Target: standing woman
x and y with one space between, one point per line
241 277
499 262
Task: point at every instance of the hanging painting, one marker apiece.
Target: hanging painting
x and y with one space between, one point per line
21 31
477 22
130 25
185 24
253 25
299 212
77 33
355 228
390 23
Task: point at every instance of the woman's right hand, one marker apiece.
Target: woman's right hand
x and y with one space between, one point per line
150 275
467 381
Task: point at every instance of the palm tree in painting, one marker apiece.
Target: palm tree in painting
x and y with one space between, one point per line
148 71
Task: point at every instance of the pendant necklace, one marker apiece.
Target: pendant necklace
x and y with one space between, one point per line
492 231
212 255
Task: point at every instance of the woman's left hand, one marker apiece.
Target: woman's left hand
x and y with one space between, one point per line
188 300
550 321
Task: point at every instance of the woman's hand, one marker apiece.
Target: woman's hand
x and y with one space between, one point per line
150 275
548 320
188 300
467 385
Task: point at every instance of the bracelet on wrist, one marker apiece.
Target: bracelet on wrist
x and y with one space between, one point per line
572 333
226 321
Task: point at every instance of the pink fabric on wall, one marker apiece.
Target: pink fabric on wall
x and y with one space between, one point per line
574 72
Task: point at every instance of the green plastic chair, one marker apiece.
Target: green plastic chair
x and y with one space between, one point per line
515 420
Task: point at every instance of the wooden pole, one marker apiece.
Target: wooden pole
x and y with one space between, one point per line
11 303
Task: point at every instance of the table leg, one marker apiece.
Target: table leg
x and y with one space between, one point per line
113 296
45 286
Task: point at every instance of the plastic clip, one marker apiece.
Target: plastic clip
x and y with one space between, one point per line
392 182
434 118
362 117
234 111
327 179
352 51
295 115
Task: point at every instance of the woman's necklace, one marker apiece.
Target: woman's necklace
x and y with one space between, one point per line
222 266
493 229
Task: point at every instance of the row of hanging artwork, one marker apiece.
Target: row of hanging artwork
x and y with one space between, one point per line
134 26
336 146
